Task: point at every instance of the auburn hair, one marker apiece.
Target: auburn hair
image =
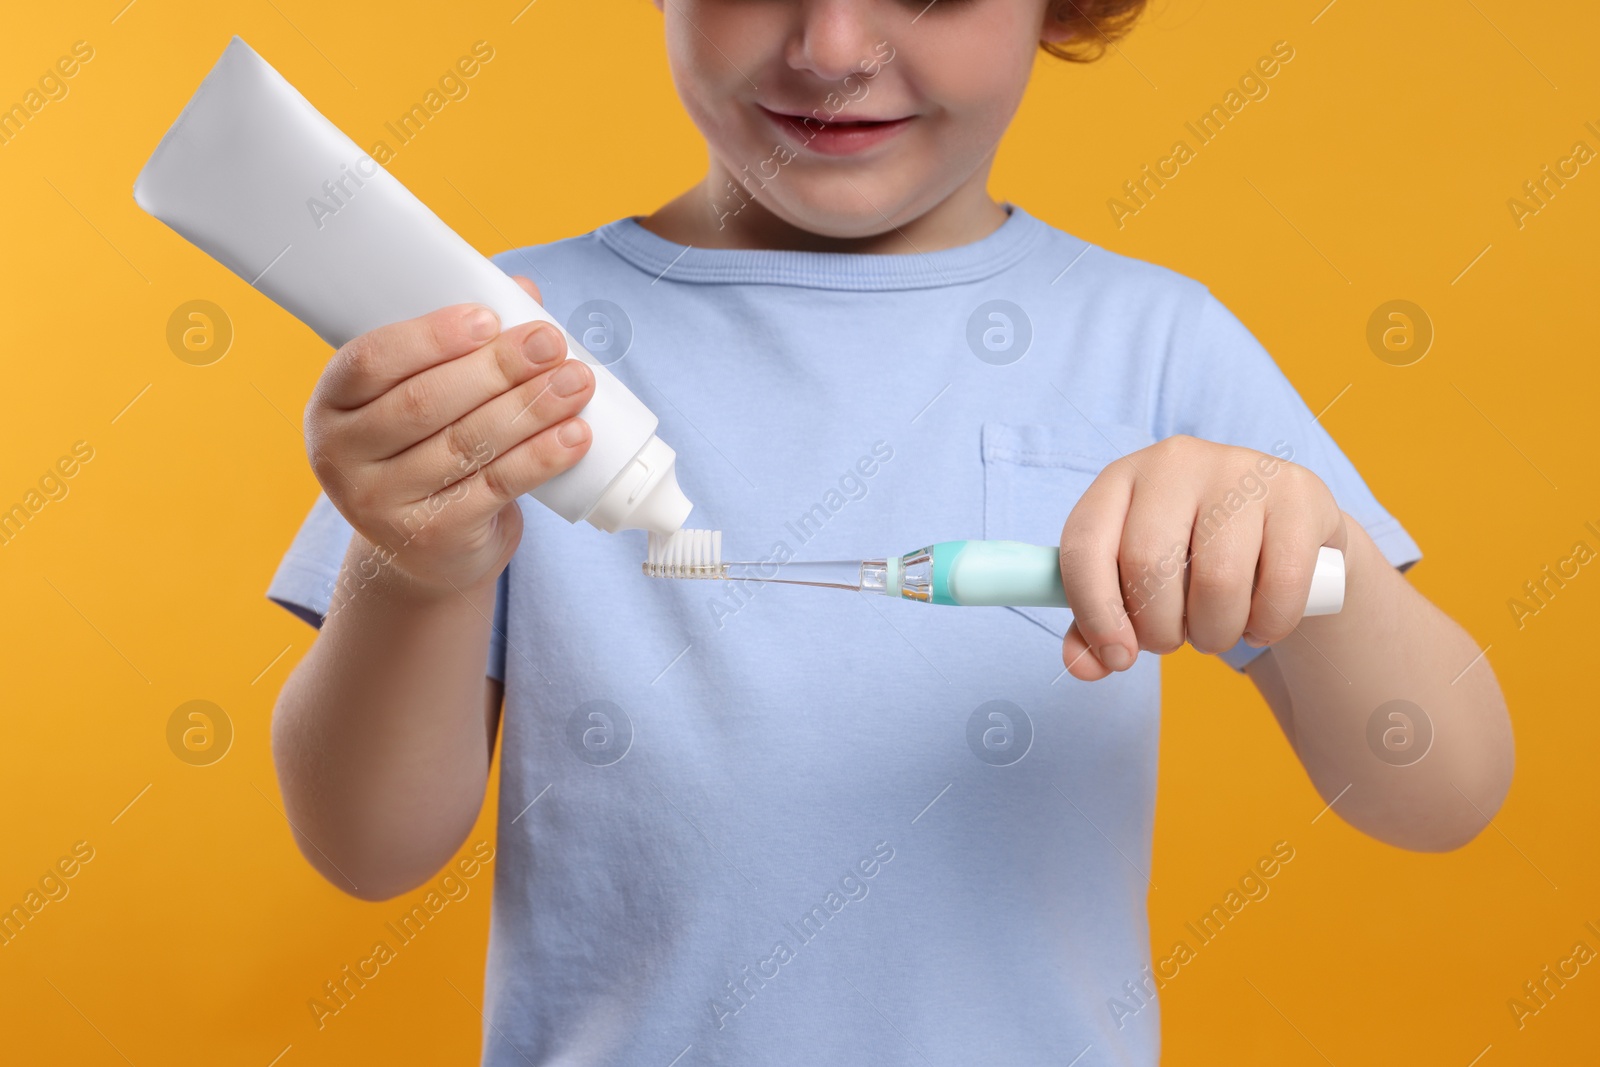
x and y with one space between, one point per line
1095 25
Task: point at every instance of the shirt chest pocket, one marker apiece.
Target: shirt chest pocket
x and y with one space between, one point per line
1033 474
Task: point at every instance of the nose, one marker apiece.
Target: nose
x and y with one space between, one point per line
832 38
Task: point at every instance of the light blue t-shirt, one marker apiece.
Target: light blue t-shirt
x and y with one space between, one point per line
784 825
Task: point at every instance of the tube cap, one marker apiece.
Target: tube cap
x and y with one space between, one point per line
1327 583
645 496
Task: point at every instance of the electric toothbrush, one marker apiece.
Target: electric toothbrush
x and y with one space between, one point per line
967 573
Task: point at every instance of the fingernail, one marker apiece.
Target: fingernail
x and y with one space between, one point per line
1252 640
542 345
568 378
1114 656
482 324
572 432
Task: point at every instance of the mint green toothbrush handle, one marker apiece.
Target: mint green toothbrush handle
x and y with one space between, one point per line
997 573
1013 574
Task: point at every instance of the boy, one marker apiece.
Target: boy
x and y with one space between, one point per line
761 826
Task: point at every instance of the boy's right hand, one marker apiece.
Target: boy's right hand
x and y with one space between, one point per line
424 433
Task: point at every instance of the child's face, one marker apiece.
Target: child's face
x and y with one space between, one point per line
906 101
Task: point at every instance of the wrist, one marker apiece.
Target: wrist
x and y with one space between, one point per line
377 573
1362 560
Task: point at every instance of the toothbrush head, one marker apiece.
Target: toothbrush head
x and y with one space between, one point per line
686 554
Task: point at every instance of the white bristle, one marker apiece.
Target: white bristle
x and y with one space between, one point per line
685 554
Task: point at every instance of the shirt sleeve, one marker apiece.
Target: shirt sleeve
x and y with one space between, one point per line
1221 385
308 575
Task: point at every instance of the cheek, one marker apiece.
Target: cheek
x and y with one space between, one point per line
712 48
975 79
714 93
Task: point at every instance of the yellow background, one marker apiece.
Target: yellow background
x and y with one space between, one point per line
1378 168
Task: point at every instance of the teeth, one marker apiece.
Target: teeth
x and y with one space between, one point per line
685 554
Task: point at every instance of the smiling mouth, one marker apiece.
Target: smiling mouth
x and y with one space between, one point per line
838 136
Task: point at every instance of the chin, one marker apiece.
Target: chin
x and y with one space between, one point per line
834 209
837 225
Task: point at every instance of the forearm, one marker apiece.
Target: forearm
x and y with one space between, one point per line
1390 643
380 736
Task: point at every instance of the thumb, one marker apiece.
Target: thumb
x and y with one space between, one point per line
527 286
1076 656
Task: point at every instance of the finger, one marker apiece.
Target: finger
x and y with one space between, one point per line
1222 569
493 429
1089 542
521 469
1079 657
428 401
1282 582
368 366
1289 546
528 287
1151 559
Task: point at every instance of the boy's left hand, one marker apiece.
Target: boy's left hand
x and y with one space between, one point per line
1189 540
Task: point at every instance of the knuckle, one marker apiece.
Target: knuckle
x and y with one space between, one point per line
362 499
498 477
1100 620
316 409
1162 636
1141 596
322 470
533 397
1079 553
1215 637
315 431
360 357
457 440
509 363
1122 469
1162 643
315 424
1271 621
1214 572
1140 556
495 481
326 467
1298 475
1283 576
443 327
554 457
1269 625
419 401
1299 483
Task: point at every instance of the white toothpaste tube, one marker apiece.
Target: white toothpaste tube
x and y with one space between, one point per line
260 180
